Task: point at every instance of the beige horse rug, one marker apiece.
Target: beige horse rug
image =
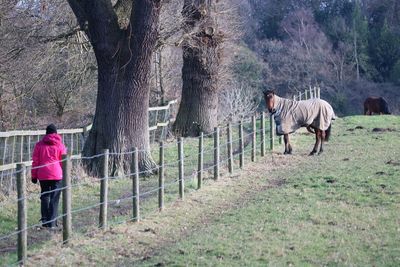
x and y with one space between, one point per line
290 115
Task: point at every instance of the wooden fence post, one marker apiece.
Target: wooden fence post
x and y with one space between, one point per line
241 145
319 92
66 198
29 147
315 92
230 152
72 144
21 149
22 213
262 134
13 148
254 138
181 171
161 178
135 185
216 153
104 190
200 162
4 161
271 132
305 94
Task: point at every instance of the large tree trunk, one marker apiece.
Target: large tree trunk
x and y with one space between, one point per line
201 57
124 60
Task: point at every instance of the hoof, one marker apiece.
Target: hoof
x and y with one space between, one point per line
287 153
312 153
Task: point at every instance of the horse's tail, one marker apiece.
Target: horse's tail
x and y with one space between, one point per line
328 132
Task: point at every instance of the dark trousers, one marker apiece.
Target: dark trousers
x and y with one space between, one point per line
49 202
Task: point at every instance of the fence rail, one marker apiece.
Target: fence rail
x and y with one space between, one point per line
17 146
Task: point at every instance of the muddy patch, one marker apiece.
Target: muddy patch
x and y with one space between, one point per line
274 183
355 128
379 130
393 162
330 180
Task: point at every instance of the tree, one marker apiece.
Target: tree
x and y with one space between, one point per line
123 39
360 40
47 68
385 51
237 102
201 59
69 76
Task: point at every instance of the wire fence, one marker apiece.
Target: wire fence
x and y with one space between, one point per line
183 166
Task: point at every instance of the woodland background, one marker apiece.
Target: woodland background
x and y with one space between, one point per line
350 49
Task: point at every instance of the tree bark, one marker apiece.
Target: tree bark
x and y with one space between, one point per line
201 58
124 59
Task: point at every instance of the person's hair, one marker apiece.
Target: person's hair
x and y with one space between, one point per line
51 129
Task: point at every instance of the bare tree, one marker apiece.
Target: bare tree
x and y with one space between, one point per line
42 56
237 101
305 57
167 59
68 75
123 43
201 58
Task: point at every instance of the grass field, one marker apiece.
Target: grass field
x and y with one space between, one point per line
341 208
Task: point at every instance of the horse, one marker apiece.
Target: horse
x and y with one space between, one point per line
315 114
375 104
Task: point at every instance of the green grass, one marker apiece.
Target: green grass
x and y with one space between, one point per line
337 209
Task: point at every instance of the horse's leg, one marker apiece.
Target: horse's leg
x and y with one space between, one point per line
317 142
286 140
323 135
288 147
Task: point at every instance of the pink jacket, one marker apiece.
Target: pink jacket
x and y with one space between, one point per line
49 149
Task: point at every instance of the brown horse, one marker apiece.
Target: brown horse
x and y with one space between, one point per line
375 104
314 114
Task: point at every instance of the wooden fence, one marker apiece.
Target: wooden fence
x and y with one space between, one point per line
17 146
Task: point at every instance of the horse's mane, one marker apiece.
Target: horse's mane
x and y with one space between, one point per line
267 92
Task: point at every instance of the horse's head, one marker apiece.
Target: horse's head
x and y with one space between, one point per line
270 100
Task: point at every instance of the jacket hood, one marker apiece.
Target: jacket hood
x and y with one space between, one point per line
52 139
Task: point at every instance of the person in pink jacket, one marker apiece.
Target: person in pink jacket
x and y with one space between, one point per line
46 167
